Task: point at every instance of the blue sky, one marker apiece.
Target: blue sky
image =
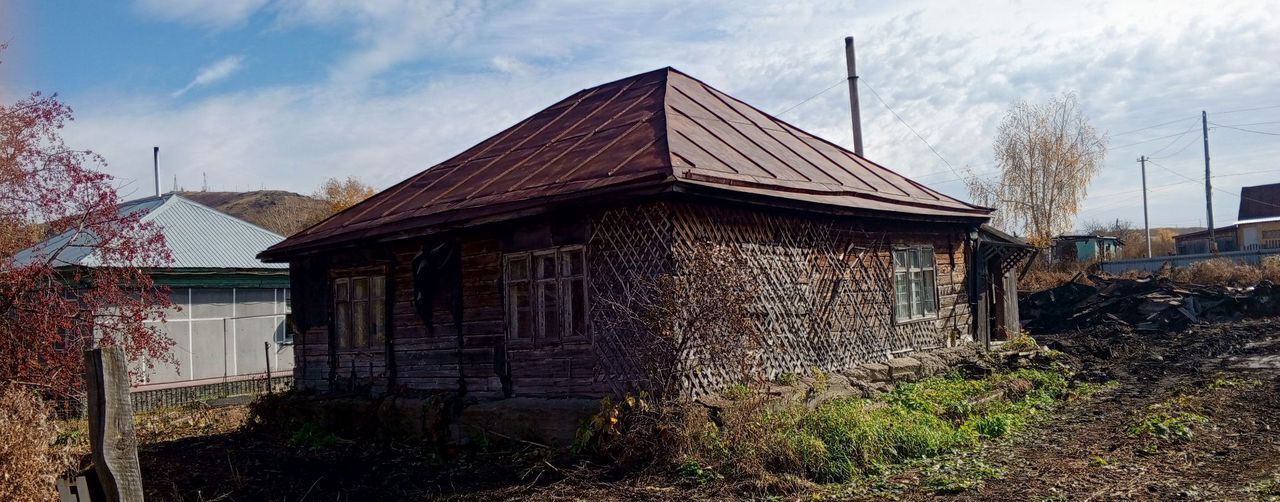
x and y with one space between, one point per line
283 93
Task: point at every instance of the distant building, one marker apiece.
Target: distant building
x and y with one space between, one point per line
228 320
1198 242
1257 225
1086 248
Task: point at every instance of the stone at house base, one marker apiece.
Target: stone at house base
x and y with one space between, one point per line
551 422
877 372
904 369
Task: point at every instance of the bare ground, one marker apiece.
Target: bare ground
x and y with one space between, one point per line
1228 373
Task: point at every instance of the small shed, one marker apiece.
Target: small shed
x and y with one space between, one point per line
1086 248
229 311
488 274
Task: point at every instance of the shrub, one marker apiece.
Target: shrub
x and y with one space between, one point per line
29 461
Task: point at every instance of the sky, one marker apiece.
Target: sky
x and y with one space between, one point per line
281 94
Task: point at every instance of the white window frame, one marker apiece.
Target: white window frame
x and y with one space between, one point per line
535 285
904 267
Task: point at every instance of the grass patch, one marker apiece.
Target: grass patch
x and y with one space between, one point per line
959 475
1172 421
313 436
1023 342
851 438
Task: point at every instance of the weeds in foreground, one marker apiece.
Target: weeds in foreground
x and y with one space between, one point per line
770 442
1022 342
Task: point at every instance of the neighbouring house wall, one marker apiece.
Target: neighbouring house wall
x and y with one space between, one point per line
219 333
827 299
1265 235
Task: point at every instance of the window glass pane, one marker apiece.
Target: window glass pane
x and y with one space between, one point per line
917 298
340 290
571 263
930 305
899 260
550 304
546 266
903 291
342 324
360 288
518 313
379 314
360 323
517 267
576 302
378 286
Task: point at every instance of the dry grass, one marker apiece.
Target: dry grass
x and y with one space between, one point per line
1226 272
31 456
1039 280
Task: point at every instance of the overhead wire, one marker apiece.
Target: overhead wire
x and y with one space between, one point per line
912 129
1246 130
810 98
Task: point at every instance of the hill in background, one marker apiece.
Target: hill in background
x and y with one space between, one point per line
276 210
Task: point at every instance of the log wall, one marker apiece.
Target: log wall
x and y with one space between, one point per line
826 300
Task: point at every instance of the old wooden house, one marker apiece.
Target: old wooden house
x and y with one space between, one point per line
485 273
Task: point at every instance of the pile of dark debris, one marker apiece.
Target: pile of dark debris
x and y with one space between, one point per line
1142 304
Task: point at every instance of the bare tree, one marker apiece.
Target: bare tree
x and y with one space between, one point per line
693 325
1047 154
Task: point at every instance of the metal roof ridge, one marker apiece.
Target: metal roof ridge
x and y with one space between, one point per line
167 203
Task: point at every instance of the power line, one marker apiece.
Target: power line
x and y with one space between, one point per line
810 98
1148 140
1246 130
913 130
1175 140
1247 109
1228 192
1149 127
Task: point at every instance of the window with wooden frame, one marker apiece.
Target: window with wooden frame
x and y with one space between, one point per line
546 297
359 311
914 283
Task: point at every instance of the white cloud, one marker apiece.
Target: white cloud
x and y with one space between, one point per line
949 70
210 13
213 73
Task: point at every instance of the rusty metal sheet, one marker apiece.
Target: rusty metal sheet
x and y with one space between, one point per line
657 127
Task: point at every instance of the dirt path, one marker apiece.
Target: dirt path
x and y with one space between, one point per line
1226 373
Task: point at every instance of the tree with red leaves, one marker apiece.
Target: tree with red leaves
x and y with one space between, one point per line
55 202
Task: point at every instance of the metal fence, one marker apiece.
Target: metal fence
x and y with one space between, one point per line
1253 257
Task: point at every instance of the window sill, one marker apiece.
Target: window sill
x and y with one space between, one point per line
914 320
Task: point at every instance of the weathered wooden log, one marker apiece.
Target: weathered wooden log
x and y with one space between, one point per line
115 447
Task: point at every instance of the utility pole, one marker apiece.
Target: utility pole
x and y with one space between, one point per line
1208 183
1146 222
854 109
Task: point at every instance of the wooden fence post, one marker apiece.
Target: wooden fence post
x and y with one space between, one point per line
115 448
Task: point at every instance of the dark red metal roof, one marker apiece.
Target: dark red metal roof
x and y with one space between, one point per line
1262 201
656 130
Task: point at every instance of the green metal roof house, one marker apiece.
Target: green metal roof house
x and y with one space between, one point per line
228 324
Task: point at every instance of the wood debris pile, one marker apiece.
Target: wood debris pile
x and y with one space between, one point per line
1150 304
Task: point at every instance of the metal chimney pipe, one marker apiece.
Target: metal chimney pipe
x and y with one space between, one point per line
155 164
854 109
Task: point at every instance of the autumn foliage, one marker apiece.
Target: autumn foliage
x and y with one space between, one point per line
57 199
342 194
